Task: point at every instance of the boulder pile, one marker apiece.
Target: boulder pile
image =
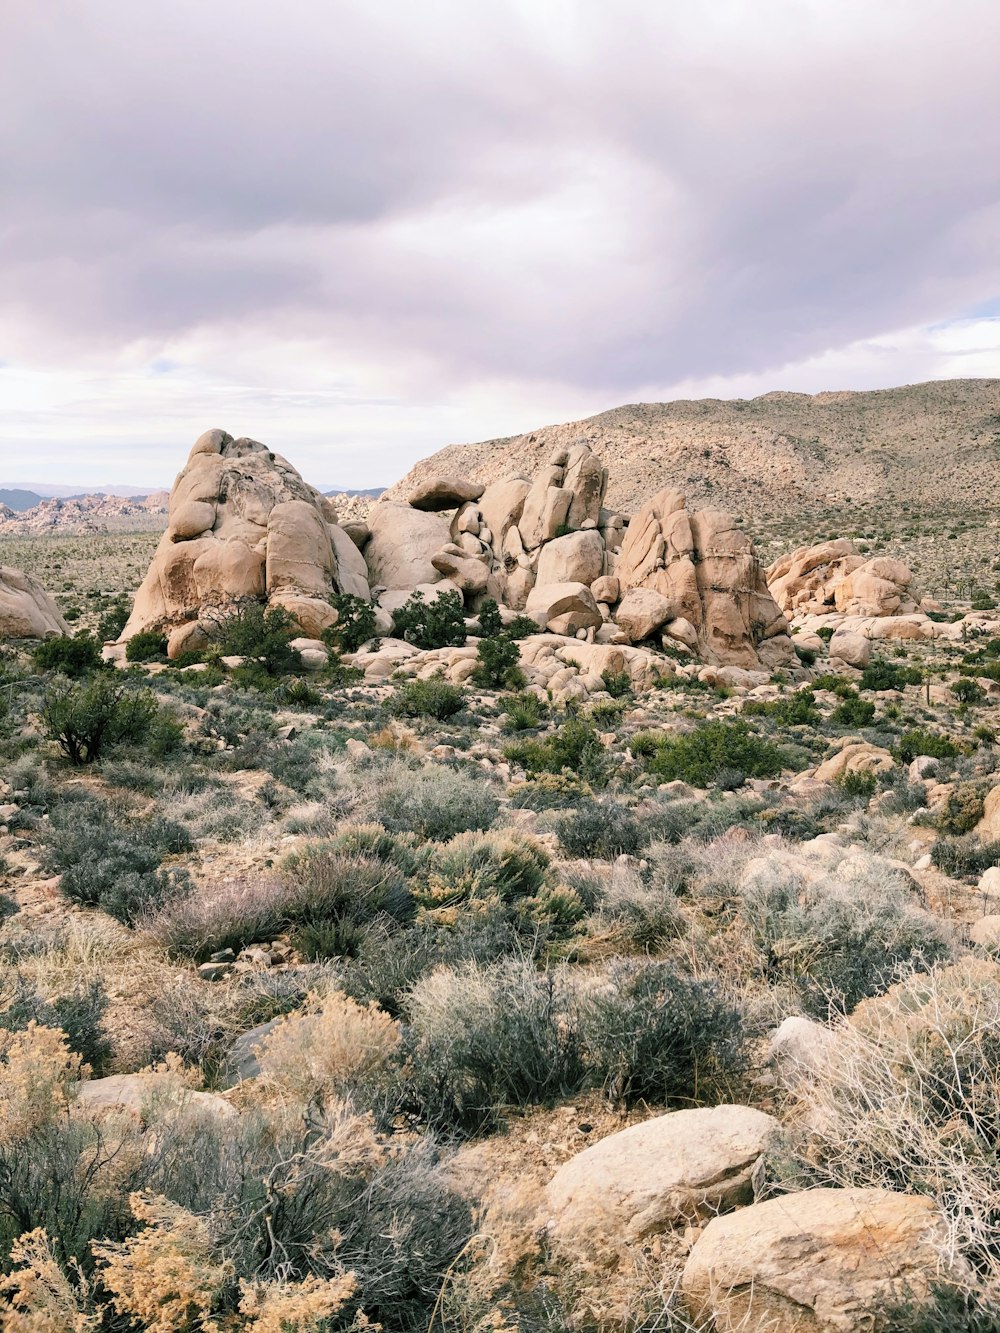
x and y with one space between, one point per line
242 523
835 576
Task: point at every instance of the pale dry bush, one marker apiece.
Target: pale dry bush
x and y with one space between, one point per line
329 1049
303 1306
37 1072
910 1100
166 1275
40 1296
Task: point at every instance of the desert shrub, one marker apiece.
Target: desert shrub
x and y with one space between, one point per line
575 747
964 857
798 709
653 1033
355 623
548 791
522 712
86 719
403 850
909 1100
644 915
435 803
617 683
825 632
297 693
603 829
498 666
428 698
79 1013
146 646
838 940
968 691
337 897
482 1038
859 784
74 656
107 859
882 675
853 711
962 809
699 756
114 620
919 741
439 623
490 619
262 635
835 684
484 868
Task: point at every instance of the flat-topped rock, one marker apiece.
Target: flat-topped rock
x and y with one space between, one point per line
439 493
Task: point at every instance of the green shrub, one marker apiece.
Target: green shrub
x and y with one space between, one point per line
146 646
617 683
499 664
439 623
964 857
355 623
114 620
962 810
601 829
968 691
79 1013
490 620
110 860
435 803
857 783
699 756
500 868
428 698
522 712
919 741
882 675
825 632
835 684
853 712
793 710
86 719
73 656
262 635
548 791
576 747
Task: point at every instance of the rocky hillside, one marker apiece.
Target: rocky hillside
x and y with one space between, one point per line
86 513
922 448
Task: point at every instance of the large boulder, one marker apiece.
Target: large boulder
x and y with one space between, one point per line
834 575
819 1260
437 493
578 557
564 607
243 524
667 1172
706 567
402 545
26 609
642 611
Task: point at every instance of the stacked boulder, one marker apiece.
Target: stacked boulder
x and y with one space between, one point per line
242 524
686 581
835 576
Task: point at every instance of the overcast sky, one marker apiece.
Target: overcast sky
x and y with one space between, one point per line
361 231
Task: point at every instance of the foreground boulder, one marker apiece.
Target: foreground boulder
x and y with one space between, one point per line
26 609
824 1259
836 576
243 524
663 1173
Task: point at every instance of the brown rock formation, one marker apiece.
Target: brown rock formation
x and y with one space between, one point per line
26 609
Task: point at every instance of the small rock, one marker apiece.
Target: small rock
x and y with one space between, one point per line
214 971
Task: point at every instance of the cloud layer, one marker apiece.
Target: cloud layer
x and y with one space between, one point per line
375 228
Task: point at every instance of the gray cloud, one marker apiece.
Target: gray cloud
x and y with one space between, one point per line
606 197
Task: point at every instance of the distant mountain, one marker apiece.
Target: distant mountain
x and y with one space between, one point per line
373 492
19 500
42 490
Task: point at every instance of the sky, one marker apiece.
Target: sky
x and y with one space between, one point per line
362 231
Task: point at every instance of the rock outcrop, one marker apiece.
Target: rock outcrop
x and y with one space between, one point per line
824 1259
26 609
242 523
835 576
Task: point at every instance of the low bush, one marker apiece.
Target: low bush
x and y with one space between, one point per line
74 656
644 916
793 710
435 803
498 665
964 857
968 691
859 784
146 646
919 741
882 675
711 749
428 698
603 829
575 747
962 809
523 712
114 620
79 1014
496 869
355 623
87 719
617 683
439 623
853 712
262 635
549 791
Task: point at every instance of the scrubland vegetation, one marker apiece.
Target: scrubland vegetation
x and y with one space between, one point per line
375 959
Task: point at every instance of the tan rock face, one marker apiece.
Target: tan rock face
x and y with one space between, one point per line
708 571
818 1261
243 523
402 544
858 758
576 558
664 1173
439 493
26 609
835 576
